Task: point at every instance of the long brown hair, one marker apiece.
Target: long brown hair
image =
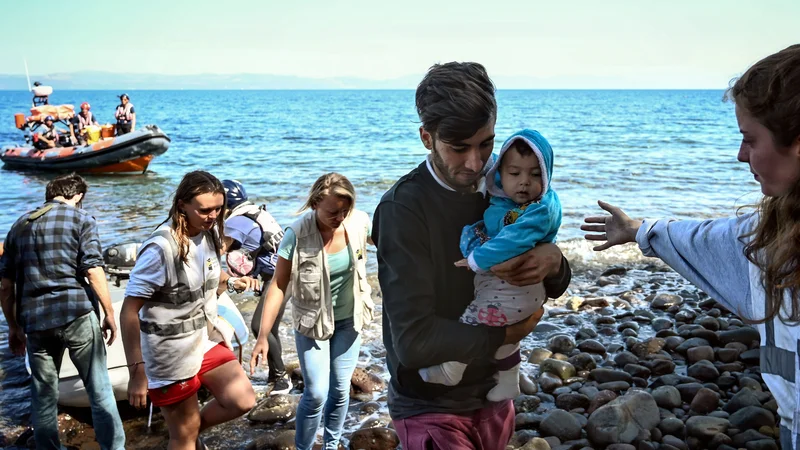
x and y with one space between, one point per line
770 92
193 184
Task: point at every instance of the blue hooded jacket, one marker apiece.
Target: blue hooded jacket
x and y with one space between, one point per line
509 229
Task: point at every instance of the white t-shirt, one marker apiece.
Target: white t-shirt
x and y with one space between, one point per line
149 274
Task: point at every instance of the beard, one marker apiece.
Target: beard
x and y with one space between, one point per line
447 174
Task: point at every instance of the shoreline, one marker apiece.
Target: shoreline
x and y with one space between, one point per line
639 329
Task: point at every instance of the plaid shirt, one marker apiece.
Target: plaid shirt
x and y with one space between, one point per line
47 258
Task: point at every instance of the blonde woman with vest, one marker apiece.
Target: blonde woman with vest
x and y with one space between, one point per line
168 316
322 271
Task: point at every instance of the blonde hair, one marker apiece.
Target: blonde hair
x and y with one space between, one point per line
330 184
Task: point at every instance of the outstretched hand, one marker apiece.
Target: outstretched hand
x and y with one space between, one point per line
615 229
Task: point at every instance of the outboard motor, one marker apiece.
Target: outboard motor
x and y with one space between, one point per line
120 259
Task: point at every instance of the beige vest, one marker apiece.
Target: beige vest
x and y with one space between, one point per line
310 286
179 318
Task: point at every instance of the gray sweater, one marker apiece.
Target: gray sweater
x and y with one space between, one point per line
710 254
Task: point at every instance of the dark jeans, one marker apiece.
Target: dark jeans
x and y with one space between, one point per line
83 339
274 358
123 128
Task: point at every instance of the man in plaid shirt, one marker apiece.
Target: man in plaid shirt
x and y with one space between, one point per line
51 262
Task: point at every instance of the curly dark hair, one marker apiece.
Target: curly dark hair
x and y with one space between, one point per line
66 186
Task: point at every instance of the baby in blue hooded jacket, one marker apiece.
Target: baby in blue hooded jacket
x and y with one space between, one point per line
523 211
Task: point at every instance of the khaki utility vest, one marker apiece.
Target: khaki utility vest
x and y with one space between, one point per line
310 286
178 319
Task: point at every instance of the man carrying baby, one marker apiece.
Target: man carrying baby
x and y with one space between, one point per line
417 227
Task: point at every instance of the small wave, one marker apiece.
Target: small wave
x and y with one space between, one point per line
305 138
581 257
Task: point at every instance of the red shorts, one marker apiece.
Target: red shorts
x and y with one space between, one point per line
181 390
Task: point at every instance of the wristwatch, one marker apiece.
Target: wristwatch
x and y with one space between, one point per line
231 281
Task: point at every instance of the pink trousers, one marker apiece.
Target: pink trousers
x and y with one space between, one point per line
489 428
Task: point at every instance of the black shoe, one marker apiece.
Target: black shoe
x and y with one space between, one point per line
281 385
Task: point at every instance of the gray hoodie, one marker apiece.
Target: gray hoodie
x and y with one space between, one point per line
710 254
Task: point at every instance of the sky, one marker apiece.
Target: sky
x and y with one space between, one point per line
581 43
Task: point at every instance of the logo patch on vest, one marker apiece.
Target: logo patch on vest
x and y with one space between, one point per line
211 264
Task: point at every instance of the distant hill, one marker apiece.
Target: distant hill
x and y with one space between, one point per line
108 81
91 80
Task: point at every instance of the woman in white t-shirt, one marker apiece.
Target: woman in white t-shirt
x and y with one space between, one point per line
169 314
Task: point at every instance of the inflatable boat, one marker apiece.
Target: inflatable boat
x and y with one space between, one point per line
120 259
129 153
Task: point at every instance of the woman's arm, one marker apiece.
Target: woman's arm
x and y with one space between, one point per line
129 325
272 304
709 253
133 121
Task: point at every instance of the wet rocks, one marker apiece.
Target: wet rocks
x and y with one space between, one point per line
703 352
526 403
667 397
572 400
273 409
703 370
549 382
273 440
743 335
665 301
582 361
648 347
705 427
367 382
561 344
536 443
560 424
744 398
600 399
623 419
705 401
592 346
538 355
374 439
752 417
561 369
607 375
526 385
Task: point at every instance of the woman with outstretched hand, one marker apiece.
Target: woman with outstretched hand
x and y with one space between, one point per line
749 263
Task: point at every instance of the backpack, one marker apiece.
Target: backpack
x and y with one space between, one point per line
271 232
243 262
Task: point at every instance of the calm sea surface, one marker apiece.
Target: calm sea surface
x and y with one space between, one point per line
655 153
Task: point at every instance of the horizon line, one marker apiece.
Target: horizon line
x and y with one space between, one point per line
370 89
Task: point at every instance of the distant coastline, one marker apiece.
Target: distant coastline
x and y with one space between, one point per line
93 80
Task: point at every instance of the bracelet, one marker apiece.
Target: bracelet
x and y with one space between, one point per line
230 283
135 364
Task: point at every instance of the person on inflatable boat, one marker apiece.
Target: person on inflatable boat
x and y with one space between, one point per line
79 122
48 138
